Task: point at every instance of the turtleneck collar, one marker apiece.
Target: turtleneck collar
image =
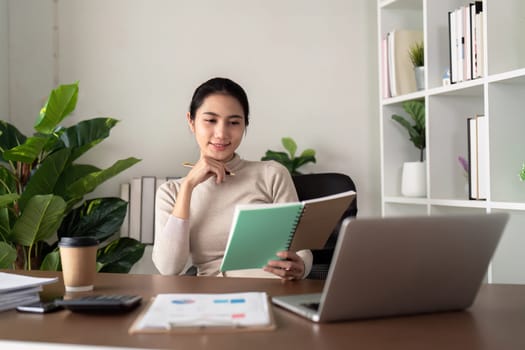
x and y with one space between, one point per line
235 163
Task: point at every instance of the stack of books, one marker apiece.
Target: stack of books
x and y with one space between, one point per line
18 290
466 42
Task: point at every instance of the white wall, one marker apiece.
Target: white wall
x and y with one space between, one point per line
309 68
4 78
31 67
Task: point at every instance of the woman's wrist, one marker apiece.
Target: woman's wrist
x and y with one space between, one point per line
182 202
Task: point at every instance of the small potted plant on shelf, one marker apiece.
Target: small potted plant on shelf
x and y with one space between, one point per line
417 57
290 160
413 180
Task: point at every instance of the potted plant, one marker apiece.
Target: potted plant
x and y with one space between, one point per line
42 189
290 160
416 53
413 183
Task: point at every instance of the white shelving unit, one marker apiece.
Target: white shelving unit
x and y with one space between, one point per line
499 95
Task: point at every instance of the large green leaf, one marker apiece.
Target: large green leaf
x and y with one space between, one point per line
416 110
89 182
290 145
120 255
44 179
280 157
86 134
7 181
28 151
100 218
7 255
5 224
51 262
39 220
9 137
61 102
72 173
6 199
302 160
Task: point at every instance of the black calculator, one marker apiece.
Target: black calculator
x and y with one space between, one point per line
105 303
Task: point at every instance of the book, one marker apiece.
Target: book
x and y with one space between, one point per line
385 84
190 312
259 231
390 63
124 195
478 153
18 290
467 35
135 207
147 211
402 78
479 39
453 46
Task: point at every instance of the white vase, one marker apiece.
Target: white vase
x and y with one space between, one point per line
419 73
414 179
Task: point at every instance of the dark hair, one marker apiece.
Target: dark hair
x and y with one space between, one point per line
219 86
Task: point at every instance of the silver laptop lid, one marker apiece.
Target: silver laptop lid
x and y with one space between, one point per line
407 265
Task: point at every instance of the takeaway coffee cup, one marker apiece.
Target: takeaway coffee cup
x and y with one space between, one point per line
79 262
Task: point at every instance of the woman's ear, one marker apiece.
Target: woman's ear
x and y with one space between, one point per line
191 122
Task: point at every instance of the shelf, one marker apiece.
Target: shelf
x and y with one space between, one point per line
450 203
499 95
507 205
402 4
513 77
403 98
466 88
406 200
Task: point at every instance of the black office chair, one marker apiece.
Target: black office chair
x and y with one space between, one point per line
310 186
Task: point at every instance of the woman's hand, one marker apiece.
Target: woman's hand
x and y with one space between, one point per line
206 168
200 172
290 268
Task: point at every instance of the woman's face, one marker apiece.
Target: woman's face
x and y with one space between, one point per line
218 126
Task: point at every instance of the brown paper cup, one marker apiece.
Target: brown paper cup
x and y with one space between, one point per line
79 262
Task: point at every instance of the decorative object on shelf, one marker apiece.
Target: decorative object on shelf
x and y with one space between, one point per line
289 160
522 172
464 165
446 78
413 179
465 169
416 52
42 191
413 182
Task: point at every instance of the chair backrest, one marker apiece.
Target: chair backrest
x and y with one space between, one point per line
310 186
317 185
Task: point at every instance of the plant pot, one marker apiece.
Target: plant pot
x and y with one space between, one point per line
419 73
414 179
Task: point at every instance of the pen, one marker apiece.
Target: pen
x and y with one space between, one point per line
191 165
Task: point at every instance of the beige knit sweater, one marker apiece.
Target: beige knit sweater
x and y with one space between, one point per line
202 238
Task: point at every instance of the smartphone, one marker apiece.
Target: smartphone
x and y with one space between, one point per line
41 307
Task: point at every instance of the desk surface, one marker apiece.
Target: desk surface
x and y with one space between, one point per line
496 321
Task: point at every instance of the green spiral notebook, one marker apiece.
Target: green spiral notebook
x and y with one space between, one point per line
259 231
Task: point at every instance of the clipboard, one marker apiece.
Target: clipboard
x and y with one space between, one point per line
210 313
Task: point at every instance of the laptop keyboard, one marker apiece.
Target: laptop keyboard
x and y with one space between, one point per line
313 306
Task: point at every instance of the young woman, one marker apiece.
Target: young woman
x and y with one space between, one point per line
194 213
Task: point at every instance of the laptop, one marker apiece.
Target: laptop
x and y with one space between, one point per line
403 265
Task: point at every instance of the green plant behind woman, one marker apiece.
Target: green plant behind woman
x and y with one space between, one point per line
290 160
42 189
